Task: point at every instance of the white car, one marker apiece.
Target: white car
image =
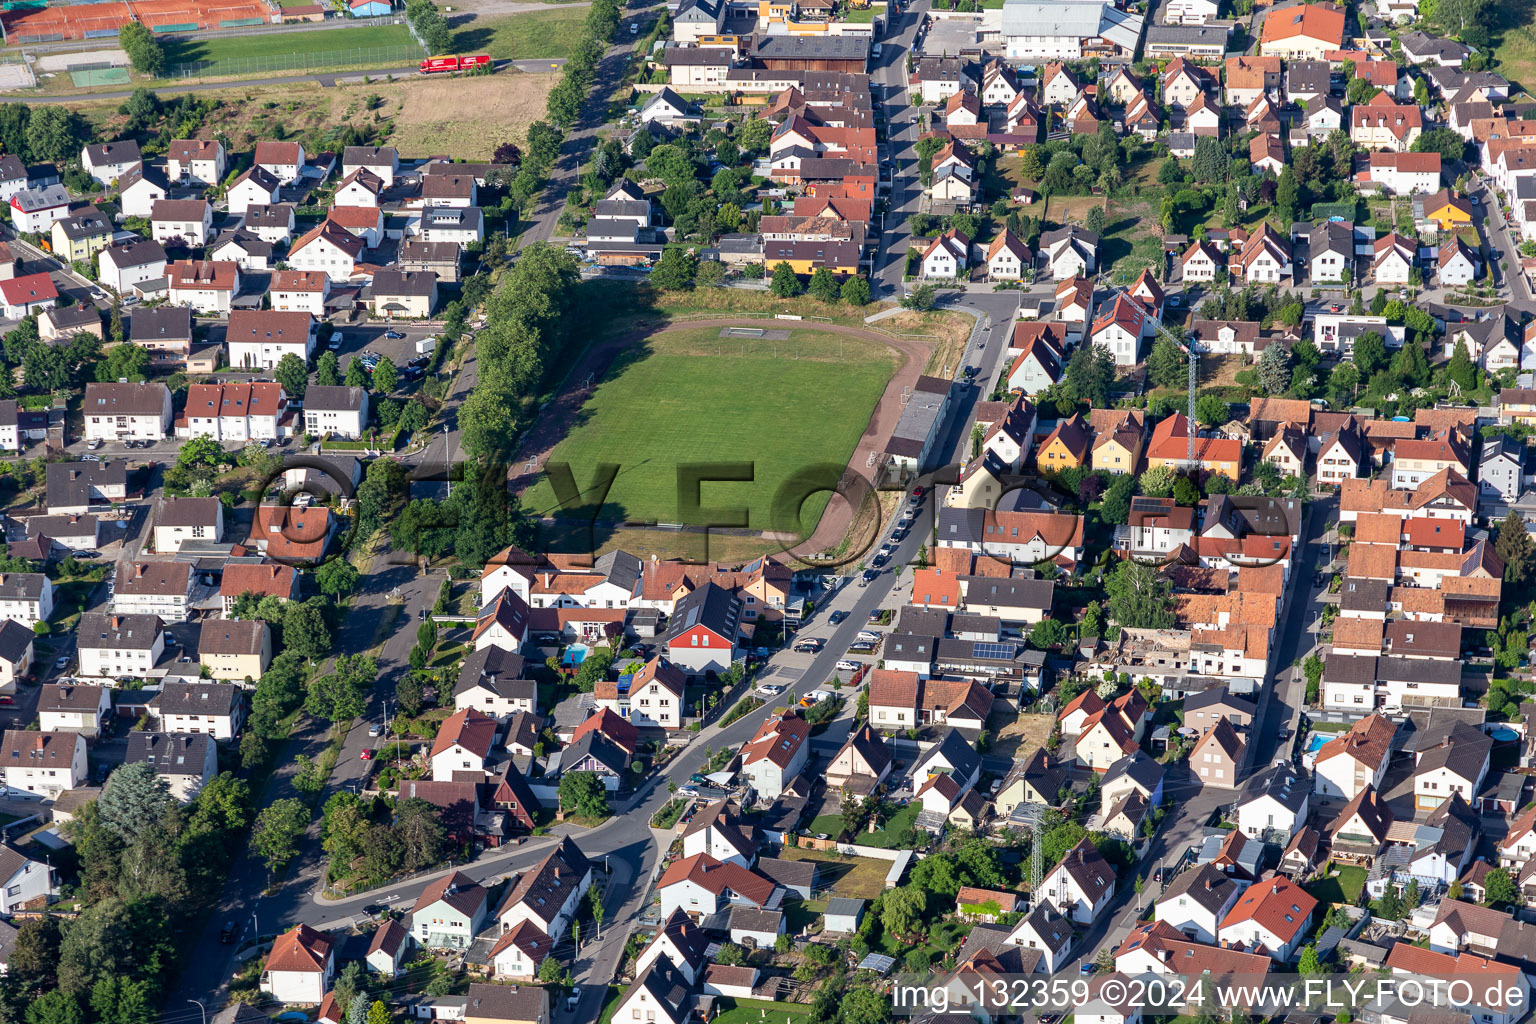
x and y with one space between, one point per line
847 666
770 690
865 634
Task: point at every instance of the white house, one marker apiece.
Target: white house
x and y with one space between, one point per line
381 161
550 893
256 187
300 291
776 754
25 597
1197 900
1358 758
1080 886
283 161
213 709
947 256
182 519
300 967
44 764
187 221
207 286
328 248
33 210
119 646
449 912
462 745
109 161
73 707
1276 799
121 266
258 339
1007 257
186 762
335 409
30 293
22 880
1273 917
200 160
126 412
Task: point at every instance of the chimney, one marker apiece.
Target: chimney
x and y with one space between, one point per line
116 621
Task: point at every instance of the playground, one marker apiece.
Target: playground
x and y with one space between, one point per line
58 22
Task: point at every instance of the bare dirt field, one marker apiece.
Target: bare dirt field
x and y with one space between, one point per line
465 118
1022 735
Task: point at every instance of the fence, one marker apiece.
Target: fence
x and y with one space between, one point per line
320 60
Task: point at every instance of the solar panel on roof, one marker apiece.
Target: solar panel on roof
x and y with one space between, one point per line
1000 652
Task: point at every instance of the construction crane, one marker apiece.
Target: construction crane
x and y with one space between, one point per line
1194 362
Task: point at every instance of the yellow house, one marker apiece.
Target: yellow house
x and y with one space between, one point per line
1447 211
1118 439
806 257
81 235
780 10
1517 405
1067 447
235 648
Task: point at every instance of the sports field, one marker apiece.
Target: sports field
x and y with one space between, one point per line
285 45
691 396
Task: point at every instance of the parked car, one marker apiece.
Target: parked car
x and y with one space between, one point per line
376 729
847 666
393 334
838 616
366 755
230 930
770 689
96 445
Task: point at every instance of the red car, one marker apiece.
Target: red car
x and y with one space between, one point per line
6 698
367 755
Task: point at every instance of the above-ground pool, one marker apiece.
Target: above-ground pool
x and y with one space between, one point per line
1503 733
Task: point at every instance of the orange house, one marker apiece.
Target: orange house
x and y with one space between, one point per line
1067 446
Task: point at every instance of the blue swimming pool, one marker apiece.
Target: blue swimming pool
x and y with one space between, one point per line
1315 742
575 654
1504 733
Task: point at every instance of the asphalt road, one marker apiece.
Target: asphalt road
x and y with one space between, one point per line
579 143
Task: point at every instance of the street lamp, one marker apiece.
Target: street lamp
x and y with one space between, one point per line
202 1009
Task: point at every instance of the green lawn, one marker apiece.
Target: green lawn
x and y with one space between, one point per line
288 49
860 878
800 914
827 824
758 1011
1343 886
553 33
894 828
692 398
1515 48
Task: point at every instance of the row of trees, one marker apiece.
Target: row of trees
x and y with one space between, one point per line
146 866
517 345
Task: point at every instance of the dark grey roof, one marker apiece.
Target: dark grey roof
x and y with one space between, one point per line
754 920
1217 696
788 873
188 512
126 632
842 906
966 622
1464 753
1139 768
80 316
1088 868
1054 930
121 151
511 1002
956 751
418 251
1207 885
923 621
170 753
163 323
909 647
599 747
697 56
711 606
1417 670
620 567
22 586
404 282
85 224
788 47
499 671
124 399
666 986
1308 76
59 527
1358 595
218 699
268 215
370 156
71 697
1282 782
334 397
1187 35
1011 592
15 640
69 483
250 244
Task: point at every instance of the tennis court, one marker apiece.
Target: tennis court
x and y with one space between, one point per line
86 78
102 20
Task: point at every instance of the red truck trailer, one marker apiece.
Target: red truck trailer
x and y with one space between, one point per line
436 65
